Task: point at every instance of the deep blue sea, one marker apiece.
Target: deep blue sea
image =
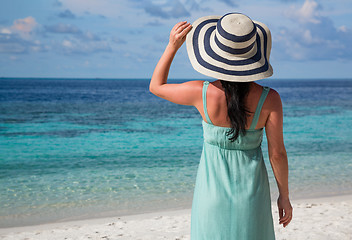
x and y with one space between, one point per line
81 148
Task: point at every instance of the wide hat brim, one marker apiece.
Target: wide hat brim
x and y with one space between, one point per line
210 60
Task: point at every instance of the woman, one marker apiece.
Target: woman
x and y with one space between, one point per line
232 196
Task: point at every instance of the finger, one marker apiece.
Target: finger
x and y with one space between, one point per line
184 33
288 212
182 27
281 213
284 219
188 29
284 222
177 25
287 222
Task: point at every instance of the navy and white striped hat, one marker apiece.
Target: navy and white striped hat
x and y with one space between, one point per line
232 48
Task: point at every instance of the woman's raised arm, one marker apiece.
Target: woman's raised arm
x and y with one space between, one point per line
184 93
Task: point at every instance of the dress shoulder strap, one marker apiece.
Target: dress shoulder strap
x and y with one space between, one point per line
204 94
259 107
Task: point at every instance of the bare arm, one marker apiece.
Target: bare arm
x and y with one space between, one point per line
278 156
276 148
184 93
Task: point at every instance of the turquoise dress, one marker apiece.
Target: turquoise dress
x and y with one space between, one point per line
231 198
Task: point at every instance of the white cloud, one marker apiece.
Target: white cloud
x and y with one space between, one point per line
24 27
308 13
308 38
90 36
342 28
77 46
13 58
312 36
14 44
5 31
108 8
22 38
19 38
67 44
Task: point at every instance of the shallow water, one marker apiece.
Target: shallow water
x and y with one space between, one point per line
75 148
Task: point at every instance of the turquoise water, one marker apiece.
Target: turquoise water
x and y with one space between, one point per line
79 148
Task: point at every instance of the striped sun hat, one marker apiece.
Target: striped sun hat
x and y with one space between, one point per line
232 48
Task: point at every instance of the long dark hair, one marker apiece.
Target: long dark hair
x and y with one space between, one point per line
237 111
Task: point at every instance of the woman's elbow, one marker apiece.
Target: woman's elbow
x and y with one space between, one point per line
152 89
155 91
278 156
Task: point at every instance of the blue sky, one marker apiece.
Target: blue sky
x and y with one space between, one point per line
125 38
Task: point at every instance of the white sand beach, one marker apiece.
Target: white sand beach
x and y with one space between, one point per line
327 218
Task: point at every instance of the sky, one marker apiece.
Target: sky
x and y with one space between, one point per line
125 38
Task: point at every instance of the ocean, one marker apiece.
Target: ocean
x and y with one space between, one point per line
82 148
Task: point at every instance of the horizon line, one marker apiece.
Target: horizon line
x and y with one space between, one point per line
120 78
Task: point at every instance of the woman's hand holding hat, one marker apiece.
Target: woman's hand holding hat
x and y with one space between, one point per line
178 34
158 84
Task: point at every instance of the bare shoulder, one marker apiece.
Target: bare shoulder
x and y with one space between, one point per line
273 94
194 87
274 99
195 84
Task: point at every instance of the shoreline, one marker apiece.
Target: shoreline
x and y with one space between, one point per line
318 218
163 209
